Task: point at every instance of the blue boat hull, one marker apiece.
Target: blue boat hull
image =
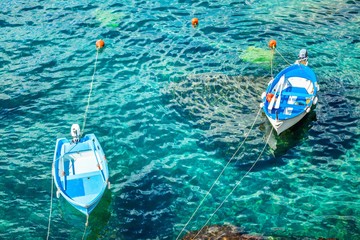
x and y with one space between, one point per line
290 96
80 172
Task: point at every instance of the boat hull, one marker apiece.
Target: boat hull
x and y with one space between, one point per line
80 172
290 96
282 125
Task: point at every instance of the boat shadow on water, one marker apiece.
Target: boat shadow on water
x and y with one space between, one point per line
98 219
280 145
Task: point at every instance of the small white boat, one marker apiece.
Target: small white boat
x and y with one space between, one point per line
290 96
80 170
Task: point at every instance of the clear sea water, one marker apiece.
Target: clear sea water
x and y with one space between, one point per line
170 106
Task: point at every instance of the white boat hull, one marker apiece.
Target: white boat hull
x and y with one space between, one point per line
282 125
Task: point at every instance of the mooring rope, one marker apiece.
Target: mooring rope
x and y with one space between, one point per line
83 128
236 185
282 57
86 225
91 87
271 64
216 180
51 202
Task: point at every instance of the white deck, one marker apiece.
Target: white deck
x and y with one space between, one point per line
302 83
81 159
82 162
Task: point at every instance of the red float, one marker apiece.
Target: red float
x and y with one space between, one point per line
272 43
100 43
195 22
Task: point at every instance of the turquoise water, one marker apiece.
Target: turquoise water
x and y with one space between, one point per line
170 106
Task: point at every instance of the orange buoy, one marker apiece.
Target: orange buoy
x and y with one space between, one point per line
195 22
269 96
100 43
272 43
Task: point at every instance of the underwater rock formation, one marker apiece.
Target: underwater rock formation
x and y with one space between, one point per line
223 232
230 232
223 107
216 102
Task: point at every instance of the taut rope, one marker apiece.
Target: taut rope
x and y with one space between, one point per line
83 128
86 225
227 164
51 201
89 96
236 185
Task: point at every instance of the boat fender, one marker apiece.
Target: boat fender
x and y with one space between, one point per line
307 110
261 105
269 96
263 95
315 101
87 219
108 185
58 193
317 87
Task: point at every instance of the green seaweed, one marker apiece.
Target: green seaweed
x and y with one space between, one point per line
108 18
256 55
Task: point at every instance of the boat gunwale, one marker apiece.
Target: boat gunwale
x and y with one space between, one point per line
105 174
309 75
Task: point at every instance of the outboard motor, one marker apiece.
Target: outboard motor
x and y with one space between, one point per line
75 133
303 57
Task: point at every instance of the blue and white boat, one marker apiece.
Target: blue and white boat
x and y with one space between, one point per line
290 96
80 170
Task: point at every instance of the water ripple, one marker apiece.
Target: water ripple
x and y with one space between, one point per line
170 106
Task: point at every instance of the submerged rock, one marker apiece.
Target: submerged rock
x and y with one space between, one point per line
223 232
230 232
217 102
223 107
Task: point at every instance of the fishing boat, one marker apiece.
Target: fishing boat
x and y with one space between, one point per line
80 170
290 96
